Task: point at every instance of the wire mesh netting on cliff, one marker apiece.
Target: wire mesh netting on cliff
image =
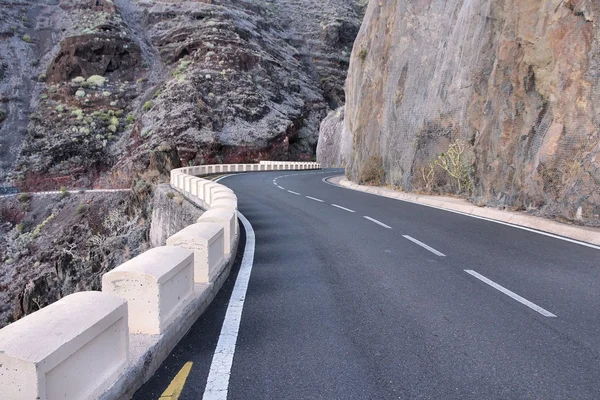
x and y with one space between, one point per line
473 101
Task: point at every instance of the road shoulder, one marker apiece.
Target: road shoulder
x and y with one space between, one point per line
576 233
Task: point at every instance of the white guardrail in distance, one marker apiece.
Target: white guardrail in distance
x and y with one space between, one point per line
105 345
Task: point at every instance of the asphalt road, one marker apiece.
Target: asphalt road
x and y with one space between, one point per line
340 306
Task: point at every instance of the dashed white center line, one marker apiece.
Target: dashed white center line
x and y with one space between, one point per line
510 294
377 222
315 199
343 208
431 249
297 194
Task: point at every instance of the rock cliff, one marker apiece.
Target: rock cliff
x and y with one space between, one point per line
55 245
497 100
115 93
95 92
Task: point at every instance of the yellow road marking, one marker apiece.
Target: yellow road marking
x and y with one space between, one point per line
176 387
212 178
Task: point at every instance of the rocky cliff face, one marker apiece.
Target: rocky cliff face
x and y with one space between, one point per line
55 245
503 94
95 92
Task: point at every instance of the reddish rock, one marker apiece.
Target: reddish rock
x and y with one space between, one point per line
94 54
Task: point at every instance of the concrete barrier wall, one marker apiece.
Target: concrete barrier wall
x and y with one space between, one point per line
105 345
71 349
157 285
207 241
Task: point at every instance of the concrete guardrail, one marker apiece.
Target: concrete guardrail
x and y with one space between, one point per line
105 345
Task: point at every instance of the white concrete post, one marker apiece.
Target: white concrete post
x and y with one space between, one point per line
158 284
187 186
71 349
174 174
207 191
227 218
194 186
224 203
180 178
206 241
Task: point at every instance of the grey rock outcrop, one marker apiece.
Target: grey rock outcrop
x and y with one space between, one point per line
170 214
329 149
508 87
216 81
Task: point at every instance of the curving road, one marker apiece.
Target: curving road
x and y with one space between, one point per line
355 296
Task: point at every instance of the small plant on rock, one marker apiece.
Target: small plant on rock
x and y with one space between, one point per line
372 172
147 106
454 164
428 175
24 197
362 54
38 229
27 38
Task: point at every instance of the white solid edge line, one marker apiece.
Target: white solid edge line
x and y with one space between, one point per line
510 294
377 222
222 177
297 194
431 249
315 199
343 208
324 180
566 239
217 384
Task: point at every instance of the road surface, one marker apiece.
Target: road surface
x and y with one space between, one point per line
355 296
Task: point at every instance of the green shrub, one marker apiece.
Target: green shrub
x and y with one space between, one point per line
130 119
141 186
27 38
38 229
362 54
170 195
96 80
81 208
78 113
453 162
63 192
24 197
372 172
147 106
